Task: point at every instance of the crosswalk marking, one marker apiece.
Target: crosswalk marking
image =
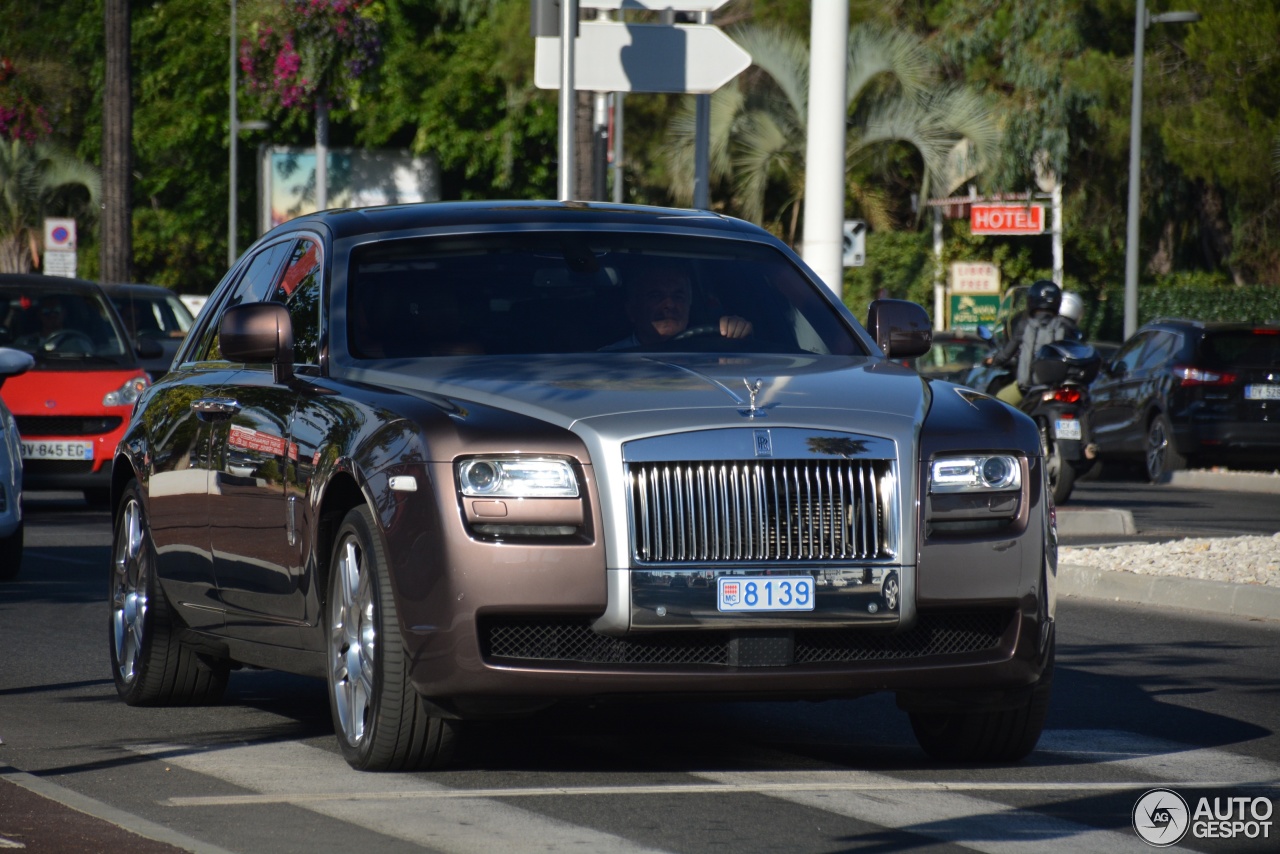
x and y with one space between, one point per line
458 826
951 810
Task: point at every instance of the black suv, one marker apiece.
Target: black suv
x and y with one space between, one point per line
1184 390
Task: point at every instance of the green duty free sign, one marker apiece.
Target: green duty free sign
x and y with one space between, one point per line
969 311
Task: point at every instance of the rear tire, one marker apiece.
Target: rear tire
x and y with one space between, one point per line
987 736
381 722
150 665
1061 473
1162 456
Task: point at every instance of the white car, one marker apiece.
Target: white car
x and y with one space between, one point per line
12 363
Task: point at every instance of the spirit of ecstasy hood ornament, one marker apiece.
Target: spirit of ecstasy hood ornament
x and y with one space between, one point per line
753 390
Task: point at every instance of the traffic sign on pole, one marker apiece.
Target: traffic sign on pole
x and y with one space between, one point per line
618 57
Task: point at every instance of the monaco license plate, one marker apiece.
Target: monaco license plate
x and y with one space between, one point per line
57 450
1066 428
1262 392
765 593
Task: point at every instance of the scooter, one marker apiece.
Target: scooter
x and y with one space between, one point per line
1059 402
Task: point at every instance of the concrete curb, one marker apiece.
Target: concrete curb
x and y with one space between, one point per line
1234 481
1256 601
1102 522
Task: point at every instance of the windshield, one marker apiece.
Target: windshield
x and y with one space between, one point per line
1242 348
565 292
59 324
155 316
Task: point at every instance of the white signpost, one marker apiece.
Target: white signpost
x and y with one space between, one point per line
610 56
60 247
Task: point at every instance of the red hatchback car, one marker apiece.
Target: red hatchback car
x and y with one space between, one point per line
72 407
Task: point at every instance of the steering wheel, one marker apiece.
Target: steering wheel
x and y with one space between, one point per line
68 341
703 331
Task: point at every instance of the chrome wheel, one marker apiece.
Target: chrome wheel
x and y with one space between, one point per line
890 591
1162 457
129 581
1157 445
353 642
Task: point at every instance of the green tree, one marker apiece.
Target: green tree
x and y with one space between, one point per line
1218 120
758 128
38 180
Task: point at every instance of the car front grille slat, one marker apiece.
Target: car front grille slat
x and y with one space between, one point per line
759 511
66 425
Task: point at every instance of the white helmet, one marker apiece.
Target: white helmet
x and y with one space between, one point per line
1072 306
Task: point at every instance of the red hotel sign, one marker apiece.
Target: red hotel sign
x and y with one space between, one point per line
1006 219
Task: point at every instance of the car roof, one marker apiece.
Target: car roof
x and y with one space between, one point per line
137 290
1208 325
37 280
349 222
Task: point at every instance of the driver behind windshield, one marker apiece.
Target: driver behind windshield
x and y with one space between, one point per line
659 297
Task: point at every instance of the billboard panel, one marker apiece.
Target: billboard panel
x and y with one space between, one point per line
357 178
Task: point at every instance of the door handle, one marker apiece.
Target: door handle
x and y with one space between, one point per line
215 408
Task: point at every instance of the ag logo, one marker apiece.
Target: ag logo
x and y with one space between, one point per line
1161 818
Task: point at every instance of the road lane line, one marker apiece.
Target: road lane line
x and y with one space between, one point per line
718 788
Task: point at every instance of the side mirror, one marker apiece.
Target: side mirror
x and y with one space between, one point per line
14 362
984 332
258 332
148 348
901 328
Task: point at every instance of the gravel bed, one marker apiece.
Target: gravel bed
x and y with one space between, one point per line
1236 560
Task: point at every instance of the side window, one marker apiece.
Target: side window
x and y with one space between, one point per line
1161 347
299 290
1129 354
254 286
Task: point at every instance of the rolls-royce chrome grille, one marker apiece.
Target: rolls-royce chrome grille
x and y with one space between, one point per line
761 511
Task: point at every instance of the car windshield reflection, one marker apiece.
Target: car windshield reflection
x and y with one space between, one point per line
55 324
555 292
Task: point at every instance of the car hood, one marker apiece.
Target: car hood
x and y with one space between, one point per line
624 396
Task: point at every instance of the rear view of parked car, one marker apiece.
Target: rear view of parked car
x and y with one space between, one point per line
152 313
71 407
952 355
1183 392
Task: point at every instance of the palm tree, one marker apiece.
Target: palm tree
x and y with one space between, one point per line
34 182
758 131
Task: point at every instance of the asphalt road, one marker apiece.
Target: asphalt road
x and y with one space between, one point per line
1143 699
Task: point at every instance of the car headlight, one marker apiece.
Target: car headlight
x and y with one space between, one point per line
975 473
516 477
127 394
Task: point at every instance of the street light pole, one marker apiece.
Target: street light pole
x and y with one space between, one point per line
236 126
1142 21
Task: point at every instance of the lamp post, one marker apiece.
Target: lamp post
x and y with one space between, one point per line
236 126
1142 20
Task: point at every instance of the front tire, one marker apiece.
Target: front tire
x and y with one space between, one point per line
150 665
381 722
987 736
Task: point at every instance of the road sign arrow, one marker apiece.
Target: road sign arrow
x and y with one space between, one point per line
619 57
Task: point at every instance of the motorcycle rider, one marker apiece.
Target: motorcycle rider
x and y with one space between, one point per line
1043 325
